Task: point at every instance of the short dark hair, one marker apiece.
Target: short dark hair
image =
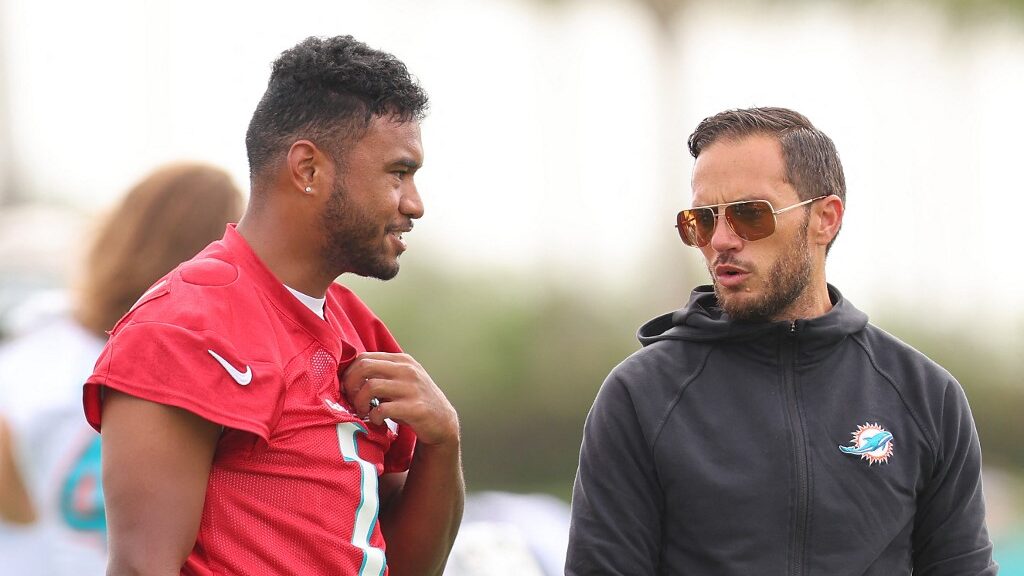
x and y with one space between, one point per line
812 162
327 90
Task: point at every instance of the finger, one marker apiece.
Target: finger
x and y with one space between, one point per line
365 366
370 364
376 416
386 410
363 369
356 374
373 414
379 360
382 389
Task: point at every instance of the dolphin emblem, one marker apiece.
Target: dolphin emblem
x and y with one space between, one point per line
877 442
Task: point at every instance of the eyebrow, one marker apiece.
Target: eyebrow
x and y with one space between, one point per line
743 198
408 163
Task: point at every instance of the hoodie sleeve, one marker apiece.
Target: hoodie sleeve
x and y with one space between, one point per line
950 537
616 502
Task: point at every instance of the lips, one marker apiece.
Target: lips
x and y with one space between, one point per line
730 276
396 234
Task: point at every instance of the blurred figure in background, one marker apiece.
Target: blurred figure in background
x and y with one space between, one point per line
35 261
51 501
508 534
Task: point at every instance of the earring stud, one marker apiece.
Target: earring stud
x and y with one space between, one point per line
309 189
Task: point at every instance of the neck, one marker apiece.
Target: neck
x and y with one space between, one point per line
813 302
286 246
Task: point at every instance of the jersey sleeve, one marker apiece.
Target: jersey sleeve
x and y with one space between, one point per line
198 370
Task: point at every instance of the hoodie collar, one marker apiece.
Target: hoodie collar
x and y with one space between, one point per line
702 320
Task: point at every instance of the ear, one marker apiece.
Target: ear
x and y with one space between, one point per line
829 219
307 167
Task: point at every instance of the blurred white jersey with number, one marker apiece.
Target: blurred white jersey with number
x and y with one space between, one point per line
41 377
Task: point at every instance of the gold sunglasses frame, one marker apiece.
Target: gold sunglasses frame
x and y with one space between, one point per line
719 210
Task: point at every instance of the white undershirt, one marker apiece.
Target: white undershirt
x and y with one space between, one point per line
314 304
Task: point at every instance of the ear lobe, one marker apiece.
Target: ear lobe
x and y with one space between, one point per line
829 219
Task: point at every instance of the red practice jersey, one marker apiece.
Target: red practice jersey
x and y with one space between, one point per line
293 487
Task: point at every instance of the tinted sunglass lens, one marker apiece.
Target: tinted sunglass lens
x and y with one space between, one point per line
696 226
705 225
751 220
684 225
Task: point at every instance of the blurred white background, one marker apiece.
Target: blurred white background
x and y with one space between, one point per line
556 141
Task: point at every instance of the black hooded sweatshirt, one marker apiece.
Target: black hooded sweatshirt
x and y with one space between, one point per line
820 447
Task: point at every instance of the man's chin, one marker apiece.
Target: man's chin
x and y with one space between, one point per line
737 303
381 271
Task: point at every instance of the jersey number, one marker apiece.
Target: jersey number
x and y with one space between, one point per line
369 501
81 494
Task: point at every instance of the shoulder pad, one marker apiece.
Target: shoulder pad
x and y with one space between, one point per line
208 272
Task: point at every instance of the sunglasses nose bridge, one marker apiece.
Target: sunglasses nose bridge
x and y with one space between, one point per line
724 234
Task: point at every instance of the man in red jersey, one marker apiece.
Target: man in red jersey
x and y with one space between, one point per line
257 418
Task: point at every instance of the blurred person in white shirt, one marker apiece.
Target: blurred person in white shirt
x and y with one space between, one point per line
52 519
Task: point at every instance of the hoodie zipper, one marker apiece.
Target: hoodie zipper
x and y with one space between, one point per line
798 540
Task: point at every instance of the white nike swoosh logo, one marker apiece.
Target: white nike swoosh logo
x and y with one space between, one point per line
243 378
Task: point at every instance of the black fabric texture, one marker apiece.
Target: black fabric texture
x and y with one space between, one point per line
715 449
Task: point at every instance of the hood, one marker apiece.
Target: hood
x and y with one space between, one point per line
702 320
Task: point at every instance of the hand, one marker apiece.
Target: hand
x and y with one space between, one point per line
406 393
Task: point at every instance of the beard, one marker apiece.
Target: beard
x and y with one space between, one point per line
787 280
353 243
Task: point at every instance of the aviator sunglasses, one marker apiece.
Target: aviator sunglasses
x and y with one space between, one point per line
749 219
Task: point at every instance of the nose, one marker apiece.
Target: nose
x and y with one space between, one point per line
411 204
723 238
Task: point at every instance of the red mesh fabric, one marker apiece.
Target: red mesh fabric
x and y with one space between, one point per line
289 506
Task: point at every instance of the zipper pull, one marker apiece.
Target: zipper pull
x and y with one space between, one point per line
792 327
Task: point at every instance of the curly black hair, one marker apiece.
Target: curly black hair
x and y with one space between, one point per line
327 90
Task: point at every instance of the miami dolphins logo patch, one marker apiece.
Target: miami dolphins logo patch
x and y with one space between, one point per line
872 443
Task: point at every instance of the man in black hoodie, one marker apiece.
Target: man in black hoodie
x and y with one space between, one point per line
766 427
